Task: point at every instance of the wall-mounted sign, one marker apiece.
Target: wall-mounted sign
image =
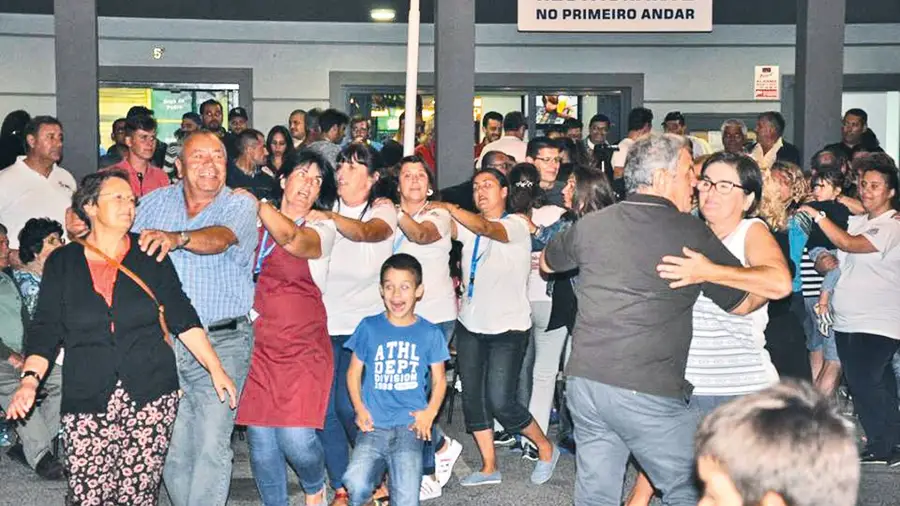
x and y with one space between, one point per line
615 15
767 83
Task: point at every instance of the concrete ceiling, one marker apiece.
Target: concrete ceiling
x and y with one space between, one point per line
488 11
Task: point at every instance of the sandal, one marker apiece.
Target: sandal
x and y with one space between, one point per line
824 319
341 498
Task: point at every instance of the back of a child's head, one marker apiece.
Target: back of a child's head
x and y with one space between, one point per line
402 262
787 439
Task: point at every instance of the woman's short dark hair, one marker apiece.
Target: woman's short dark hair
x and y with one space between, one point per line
748 174
305 158
432 182
32 235
89 191
289 150
884 165
592 191
358 152
525 191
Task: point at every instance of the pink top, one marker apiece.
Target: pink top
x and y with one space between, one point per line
154 178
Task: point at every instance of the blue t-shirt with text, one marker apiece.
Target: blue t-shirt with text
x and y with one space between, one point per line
397 363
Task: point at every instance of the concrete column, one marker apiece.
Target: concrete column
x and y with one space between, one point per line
76 83
454 77
820 74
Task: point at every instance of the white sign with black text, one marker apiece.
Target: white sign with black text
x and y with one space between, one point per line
615 15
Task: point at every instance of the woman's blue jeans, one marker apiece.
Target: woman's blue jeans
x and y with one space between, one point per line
271 446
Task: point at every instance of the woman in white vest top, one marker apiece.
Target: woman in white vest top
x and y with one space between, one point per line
727 357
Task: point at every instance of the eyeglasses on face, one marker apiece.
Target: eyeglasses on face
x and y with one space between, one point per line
722 187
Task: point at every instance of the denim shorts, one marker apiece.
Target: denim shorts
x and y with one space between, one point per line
815 340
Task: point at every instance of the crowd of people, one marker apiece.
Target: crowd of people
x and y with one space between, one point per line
310 287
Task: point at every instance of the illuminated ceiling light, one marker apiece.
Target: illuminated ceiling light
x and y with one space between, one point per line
383 15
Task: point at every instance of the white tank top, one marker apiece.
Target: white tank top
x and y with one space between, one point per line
728 355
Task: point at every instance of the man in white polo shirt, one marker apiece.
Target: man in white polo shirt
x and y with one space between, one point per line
35 186
513 141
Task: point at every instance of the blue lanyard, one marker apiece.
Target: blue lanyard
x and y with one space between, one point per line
476 258
264 251
398 241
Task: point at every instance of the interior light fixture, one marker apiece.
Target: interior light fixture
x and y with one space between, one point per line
383 15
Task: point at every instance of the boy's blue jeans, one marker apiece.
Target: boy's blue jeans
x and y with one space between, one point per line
832 276
396 448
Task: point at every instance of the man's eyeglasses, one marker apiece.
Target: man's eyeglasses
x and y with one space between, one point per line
549 159
722 187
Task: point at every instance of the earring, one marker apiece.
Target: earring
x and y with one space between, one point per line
430 192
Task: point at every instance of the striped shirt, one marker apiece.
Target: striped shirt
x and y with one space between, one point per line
220 286
810 280
727 355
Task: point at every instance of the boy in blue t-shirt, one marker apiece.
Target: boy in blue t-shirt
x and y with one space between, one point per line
394 353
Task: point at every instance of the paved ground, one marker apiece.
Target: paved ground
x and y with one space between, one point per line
20 487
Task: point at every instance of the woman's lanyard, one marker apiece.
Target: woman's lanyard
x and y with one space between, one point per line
398 241
476 260
265 251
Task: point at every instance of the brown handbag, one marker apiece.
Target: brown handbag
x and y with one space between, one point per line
139 282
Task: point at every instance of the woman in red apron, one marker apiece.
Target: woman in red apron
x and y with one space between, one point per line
286 393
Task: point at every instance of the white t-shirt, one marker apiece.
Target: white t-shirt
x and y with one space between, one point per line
866 296
499 301
25 194
509 144
619 157
351 291
537 285
318 267
438 304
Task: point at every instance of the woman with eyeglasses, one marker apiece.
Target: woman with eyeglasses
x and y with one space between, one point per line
727 357
494 323
120 383
285 396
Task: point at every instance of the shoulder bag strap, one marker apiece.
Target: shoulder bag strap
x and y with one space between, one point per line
138 281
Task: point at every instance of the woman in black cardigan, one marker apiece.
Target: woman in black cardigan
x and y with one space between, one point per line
119 379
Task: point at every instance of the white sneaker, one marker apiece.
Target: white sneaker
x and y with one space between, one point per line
429 489
444 462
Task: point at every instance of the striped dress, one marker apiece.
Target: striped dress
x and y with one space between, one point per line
727 355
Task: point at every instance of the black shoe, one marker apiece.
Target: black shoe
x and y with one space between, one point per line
567 444
504 438
17 453
867 457
49 468
529 452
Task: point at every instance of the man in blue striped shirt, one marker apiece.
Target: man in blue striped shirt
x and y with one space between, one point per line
210 234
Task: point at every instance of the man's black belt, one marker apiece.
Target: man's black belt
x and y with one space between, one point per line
231 324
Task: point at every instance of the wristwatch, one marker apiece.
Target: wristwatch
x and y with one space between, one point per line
28 373
185 239
819 217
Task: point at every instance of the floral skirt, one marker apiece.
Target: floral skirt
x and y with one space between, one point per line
117 457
